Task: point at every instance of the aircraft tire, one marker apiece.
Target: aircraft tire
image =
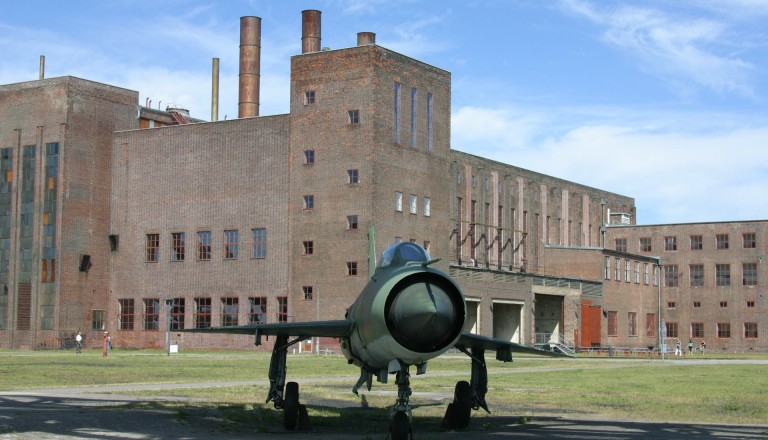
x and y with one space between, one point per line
291 405
401 426
462 402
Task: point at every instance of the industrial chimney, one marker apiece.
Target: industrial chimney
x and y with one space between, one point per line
310 31
250 61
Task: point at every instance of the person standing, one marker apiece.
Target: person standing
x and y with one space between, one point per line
79 343
703 346
677 348
690 346
105 346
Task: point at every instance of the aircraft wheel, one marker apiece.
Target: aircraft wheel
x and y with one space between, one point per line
401 426
291 405
462 402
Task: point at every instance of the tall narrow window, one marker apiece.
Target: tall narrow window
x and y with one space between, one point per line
607 265
97 320
153 248
177 314
412 204
309 157
257 310
309 97
413 116
398 201
151 313
650 324
352 268
396 114
429 121
259 243
204 245
697 275
309 247
309 202
202 314
229 311
427 206
125 314
613 325
354 117
177 246
749 274
722 275
231 244
282 309
632 323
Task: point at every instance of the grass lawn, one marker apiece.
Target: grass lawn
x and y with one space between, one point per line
647 390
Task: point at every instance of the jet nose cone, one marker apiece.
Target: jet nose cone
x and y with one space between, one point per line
423 317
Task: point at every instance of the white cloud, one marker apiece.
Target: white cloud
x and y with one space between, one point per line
674 176
678 49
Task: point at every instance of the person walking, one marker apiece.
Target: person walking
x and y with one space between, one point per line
702 346
78 343
105 346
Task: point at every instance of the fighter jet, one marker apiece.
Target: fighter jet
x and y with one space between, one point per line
407 314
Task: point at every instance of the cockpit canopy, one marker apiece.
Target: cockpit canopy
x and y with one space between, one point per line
401 253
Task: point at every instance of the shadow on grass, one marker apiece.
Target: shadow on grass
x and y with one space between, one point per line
40 417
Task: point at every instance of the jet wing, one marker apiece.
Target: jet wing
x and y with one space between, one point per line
503 349
323 329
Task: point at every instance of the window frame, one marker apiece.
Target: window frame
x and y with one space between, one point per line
151 315
231 244
282 309
230 309
353 117
309 247
259 243
126 313
204 245
253 316
202 315
152 248
352 269
697 242
721 242
722 275
670 243
178 246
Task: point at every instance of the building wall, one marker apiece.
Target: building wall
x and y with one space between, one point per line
709 306
219 176
67 215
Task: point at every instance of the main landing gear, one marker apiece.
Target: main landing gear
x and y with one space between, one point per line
468 395
400 418
285 396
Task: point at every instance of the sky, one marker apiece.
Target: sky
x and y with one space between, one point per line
663 101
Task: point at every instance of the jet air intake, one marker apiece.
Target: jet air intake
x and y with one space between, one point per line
425 312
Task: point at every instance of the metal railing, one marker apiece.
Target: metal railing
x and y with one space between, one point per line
554 341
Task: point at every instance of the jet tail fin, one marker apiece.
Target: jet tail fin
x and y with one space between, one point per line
371 252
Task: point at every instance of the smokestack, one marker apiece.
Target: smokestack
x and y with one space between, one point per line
366 38
250 60
42 66
215 91
310 31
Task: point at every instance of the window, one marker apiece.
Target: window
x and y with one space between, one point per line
723 330
645 273
607 268
308 292
613 327
670 243
750 330
621 244
202 313
151 313
309 97
398 201
427 202
749 274
617 270
632 323
697 243
723 304
671 276
697 275
413 117
177 314
282 309
351 268
177 246
153 247
721 241
650 324
97 320
627 268
749 240
637 272
352 222
697 304
354 117
458 177
750 304
412 204
697 329
396 114
353 177
723 275
309 157
656 270
259 243
231 244
309 247
672 329
125 314
204 245
309 202
257 310
229 311
645 244
671 305
429 121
